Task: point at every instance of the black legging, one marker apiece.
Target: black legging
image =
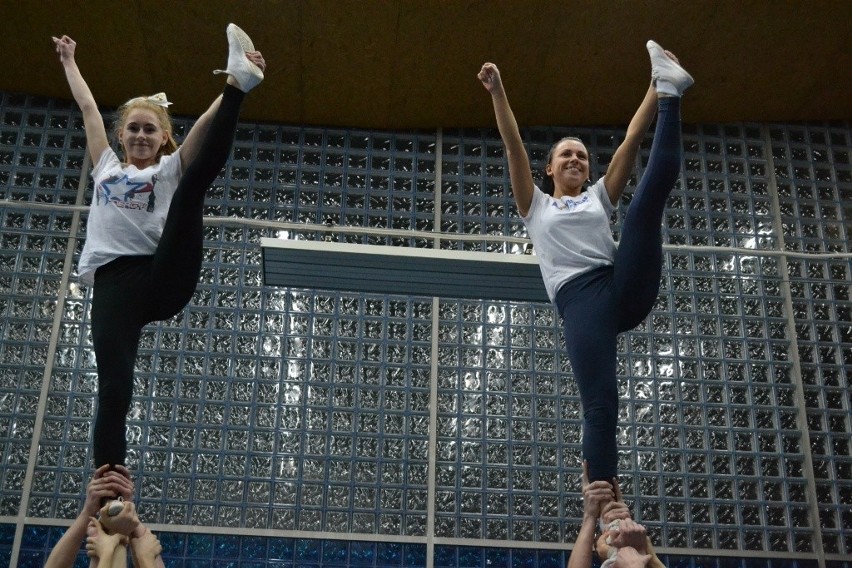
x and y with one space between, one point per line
598 305
133 291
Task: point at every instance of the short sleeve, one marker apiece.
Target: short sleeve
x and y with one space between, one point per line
599 189
107 160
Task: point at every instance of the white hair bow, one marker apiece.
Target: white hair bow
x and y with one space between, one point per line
159 99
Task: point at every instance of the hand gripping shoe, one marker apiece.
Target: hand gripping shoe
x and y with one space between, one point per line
246 73
664 69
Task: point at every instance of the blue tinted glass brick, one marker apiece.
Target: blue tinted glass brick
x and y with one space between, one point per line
334 552
281 549
254 547
308 550
522 558
30 559
445 556
680 562
415 555
550 559
35 537
497 557
389 553
362 553
470 557
228 547
200 546
174 544
7 534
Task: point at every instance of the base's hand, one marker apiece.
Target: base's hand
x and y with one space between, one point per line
630 534
145 549
614 511
629 557
105 484
596 495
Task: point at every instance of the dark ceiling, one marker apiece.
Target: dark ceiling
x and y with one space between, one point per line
412 63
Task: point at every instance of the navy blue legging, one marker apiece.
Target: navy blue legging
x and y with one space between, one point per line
133 291
598 305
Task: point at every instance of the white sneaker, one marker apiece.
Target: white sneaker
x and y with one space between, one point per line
115 507
246 73
665 70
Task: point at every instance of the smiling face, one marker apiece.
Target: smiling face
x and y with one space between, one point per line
142 137
569 167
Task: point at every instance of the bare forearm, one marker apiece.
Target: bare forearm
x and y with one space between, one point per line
516 155
506 123
655 561
642 119
192 142
115 558
96 136
618 171
581 554
65 551
79 88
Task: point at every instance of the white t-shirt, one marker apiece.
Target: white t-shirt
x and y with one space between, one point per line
571 235
128 211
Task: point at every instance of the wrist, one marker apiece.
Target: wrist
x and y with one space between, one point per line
138 532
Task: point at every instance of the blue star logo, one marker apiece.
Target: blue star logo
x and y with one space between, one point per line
121 189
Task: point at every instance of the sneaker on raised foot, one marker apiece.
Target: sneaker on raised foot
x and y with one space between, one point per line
246 73
122 520
668 75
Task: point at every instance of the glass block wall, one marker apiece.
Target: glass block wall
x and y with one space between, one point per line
288 427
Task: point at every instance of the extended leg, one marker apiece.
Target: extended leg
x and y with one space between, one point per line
177 261
638 262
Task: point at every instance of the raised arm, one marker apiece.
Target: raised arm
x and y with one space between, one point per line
618 171
520 173
96 136
595 496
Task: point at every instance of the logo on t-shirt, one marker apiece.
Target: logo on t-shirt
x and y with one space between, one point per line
122 192
566 203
